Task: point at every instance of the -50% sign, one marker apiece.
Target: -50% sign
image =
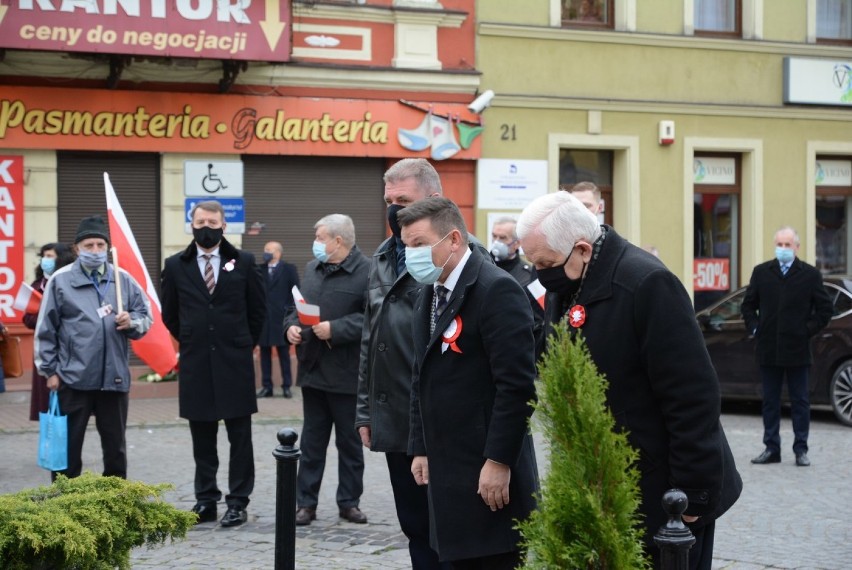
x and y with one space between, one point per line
712 274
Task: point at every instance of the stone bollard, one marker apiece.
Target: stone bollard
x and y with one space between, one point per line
287 455
674 538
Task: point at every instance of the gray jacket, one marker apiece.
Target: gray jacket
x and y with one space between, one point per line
73 341
387 350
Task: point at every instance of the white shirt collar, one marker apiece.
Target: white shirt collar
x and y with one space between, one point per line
453 277
214 253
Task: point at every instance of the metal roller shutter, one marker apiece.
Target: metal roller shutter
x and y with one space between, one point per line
288 194
136 179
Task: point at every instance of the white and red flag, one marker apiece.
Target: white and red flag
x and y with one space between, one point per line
309 315
155 348
538 291
28 300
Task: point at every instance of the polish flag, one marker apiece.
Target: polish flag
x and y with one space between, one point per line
155 348
538 291
28 300
308 314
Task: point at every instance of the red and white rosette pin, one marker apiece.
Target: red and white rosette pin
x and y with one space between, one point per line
577 316
451 335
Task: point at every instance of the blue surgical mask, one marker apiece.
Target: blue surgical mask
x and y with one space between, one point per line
418 262
48 265
784 255
267 256
92 261
320 253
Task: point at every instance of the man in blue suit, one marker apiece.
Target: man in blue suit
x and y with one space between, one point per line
280 278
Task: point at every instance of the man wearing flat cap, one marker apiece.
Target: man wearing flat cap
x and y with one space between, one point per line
81 345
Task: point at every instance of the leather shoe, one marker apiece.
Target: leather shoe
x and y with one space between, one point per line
206 512
264 393
767 457
354 515
304 516
802 460
235 516
287 392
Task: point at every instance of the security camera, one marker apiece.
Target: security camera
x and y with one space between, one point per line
482 102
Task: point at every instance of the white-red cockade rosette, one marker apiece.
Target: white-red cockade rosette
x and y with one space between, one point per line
577 316
451 335
229 266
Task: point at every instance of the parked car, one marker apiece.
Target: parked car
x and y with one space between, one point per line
731 348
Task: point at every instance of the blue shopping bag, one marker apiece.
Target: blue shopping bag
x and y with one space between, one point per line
53 437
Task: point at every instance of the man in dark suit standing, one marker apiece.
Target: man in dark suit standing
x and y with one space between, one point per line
214 305
280 278
785 305
472 385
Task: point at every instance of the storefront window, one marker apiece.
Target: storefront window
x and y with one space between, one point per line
717 228
597 13
834 20
588 166
717 17
833 210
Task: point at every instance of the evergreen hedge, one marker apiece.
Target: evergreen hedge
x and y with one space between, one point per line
86 523
587 510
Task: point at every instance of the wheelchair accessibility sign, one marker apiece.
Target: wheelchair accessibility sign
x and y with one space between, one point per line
235 214
213 178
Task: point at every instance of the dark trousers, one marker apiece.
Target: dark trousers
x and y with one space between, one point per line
797 388
240 464
266 366
503 561
110 410
322 410
412 510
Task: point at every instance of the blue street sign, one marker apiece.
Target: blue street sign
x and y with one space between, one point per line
235 213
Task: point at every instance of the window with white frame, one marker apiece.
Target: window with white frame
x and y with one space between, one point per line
592 13
834 20
718 17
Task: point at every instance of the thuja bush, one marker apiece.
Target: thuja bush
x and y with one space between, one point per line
87 523
587 510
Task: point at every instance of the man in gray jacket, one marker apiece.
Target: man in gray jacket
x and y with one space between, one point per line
81 345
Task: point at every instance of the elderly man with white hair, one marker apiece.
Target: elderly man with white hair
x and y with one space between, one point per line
640 328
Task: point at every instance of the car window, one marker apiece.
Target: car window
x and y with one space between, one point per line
841 299
728 310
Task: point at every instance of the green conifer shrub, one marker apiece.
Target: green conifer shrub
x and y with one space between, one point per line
86 523
587 511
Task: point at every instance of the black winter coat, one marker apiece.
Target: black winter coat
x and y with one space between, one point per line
217 333
642 334
333 366
786 311
279 301
474 404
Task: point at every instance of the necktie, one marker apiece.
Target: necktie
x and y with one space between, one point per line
441 295
209 280
784 269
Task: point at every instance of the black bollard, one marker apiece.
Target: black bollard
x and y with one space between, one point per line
674 538
287 455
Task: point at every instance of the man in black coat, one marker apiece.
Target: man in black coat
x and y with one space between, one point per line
214 305
785 305
472 386
280 279
641 331
328 353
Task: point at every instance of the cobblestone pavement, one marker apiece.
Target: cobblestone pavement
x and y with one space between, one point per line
787 518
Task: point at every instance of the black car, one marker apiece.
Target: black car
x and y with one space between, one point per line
732 350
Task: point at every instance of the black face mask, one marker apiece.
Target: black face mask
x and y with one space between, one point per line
393 210
207 237
555 280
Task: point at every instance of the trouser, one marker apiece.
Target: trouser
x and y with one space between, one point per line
412 510
110 410
266 366
503 561
240 464
322 410
797 388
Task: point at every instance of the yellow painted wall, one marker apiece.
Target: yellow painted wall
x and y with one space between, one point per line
787 23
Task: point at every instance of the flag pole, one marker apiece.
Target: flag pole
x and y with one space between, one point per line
117 280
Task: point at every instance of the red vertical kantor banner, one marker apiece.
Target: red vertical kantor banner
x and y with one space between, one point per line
11 234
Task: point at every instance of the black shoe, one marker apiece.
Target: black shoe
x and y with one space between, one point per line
287 392
802 460
235 516
304 515
767 457
353 514
206 512
264 393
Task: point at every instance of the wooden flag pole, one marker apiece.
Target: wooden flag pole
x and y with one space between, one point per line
117 281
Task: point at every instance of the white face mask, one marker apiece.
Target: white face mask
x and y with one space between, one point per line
418 262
